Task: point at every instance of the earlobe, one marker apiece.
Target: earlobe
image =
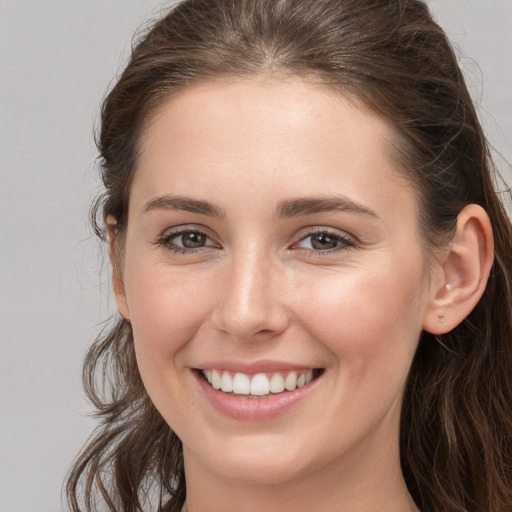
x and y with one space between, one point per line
114 253
464 270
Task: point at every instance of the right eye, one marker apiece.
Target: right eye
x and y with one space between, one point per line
190 240
186 240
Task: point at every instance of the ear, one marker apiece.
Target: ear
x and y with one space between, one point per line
115 253
462 272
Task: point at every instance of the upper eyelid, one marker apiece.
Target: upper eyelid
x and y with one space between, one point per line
330 231
302 234
326 230
185 228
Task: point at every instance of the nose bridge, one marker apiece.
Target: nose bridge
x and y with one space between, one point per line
250 304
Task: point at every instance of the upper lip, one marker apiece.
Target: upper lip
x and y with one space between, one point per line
262 366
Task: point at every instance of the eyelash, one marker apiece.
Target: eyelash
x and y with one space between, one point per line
167 240
344 242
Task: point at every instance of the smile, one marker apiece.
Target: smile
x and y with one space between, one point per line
260 384
256 395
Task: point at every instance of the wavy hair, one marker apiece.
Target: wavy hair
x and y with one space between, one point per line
456 424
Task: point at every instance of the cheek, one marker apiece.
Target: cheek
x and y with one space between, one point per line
371 324
368 320
166 309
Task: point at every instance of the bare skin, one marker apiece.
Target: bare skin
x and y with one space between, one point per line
268 222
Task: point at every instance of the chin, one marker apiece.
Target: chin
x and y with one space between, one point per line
260 470
261 459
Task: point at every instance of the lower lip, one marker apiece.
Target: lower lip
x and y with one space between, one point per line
242 408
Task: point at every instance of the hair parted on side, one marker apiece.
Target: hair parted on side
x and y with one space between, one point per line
456 425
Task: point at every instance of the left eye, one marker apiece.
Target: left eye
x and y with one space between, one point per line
324 241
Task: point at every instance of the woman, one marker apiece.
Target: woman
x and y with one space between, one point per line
311 266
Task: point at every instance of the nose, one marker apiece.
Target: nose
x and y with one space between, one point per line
251 299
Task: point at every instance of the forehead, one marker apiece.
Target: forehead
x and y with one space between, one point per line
269 106
289 135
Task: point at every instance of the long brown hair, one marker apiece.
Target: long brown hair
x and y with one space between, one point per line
456 427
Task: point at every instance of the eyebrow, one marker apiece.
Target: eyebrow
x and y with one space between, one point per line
311 205
170 202
285 209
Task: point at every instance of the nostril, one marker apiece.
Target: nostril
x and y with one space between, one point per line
251 323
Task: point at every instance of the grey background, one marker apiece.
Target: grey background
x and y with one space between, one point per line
57 59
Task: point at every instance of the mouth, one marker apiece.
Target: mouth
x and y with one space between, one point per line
259 385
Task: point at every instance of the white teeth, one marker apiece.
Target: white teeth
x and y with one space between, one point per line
277 383
259 384
226 383
216 383
241 384
290 383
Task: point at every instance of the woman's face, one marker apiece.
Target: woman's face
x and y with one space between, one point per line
271 234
